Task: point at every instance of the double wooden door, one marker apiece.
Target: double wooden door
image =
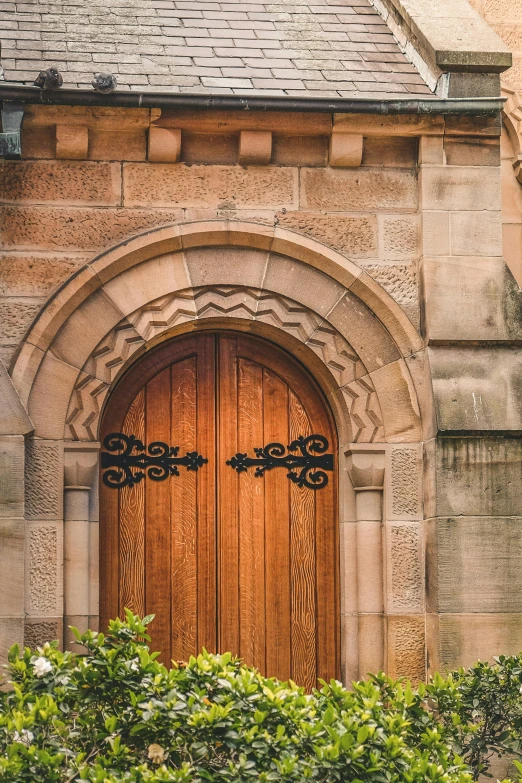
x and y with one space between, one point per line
226 560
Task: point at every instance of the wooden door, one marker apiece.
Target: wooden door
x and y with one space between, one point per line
226 560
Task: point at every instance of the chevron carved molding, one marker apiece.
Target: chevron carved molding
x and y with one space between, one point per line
161 315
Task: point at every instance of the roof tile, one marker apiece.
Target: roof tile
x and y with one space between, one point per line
320 48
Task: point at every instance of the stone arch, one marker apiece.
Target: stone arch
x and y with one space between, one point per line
333 316
187 262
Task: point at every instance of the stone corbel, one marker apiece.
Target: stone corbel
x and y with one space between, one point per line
255 147
346 150
164 145
365 468
72 142
81 597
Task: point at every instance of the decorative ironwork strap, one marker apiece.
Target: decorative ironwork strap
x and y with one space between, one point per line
305 469
126 460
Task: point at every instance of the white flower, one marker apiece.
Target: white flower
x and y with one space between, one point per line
24 736
157 754
41 666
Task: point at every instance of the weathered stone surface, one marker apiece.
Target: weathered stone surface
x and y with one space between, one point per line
35 275
91 229
474 564
354 235
38 142
54 182
403 483
12 477
460 188
436 234
11 632
41 631
400 281
11 567
397 152
299 150
485 306
406 583
399 236
43 480
465 638
407 647
15 317
117 145
300 281
364 332
358 191
398 400
477 476
205 186
477 388
226 266
14 419
43 588
476 233
465 151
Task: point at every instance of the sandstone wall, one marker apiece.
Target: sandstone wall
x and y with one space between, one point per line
417 205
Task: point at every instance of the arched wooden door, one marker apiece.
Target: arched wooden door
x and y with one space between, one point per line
226 560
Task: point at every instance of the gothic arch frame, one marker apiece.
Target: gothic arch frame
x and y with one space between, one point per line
297 292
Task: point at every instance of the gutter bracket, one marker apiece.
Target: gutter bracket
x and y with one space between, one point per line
11 135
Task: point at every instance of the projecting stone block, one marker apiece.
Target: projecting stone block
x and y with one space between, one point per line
51 228
255 147
474 564
164 145
477 388
346 150
358 191
72 142
55 182
206 186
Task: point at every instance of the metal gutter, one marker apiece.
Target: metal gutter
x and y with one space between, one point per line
159 100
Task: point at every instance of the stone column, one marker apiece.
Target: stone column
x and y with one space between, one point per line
366 471
80 537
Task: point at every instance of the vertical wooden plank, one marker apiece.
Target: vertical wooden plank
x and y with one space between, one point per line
109 555
184 513
302 564
327 549
228 511
157 504
132 523
251 518
277 533
206 495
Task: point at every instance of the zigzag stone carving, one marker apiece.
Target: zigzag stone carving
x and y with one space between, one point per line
163 314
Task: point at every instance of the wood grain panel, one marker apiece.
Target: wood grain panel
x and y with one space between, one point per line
132 524
302 564
228 498
277 533
158 515
251 518
184 575
206 494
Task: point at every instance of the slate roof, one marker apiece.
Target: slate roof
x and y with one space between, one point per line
329 48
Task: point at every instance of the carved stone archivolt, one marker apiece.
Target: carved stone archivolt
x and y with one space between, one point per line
162 315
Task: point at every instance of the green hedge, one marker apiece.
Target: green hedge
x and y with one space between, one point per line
116 715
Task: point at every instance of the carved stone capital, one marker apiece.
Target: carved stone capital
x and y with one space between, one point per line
365 466
80 465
